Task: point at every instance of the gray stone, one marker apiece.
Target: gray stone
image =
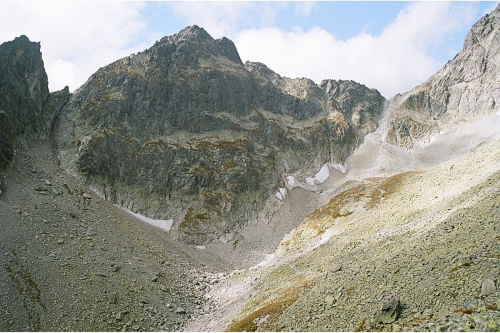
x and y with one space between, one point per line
330 300
488 287
86 196
427 314
389 312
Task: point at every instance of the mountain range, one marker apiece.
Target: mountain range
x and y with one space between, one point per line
282 204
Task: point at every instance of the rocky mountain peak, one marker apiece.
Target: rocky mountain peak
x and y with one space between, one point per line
23 90
229 49
194 43
355 101
466 87
184 131
194 32
482 29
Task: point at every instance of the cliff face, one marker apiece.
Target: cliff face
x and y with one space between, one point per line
23 90
465 87
185 130
26 106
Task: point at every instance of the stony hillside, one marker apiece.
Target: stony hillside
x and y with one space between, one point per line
428 241
186 131
405 239
70 261
467 86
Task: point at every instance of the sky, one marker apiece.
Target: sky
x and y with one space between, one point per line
390 46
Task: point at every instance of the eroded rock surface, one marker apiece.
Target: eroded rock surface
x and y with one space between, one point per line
186 131
467 86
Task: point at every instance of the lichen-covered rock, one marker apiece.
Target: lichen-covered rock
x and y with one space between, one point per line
467 86
185 130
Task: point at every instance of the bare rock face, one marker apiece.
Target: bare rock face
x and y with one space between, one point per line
26 106
465 87
23 90
186 131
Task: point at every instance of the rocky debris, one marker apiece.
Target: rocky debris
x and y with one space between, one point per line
65 266
86 196
180 311
488 287
389 312
431 254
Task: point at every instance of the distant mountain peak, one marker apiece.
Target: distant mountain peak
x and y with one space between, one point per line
195 42
195 32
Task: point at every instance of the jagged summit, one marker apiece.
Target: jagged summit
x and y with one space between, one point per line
379 239
185 131
192 33
195 42
23 90
466 87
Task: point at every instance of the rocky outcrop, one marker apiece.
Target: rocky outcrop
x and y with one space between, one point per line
23 90
26 106
185 130
465 87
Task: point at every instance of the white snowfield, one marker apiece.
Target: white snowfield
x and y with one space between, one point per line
162 224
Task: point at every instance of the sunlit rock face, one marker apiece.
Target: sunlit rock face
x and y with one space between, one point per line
466 87
185 131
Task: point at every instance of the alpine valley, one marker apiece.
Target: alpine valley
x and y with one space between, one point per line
181 189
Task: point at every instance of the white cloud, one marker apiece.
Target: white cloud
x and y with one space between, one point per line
218 18
226 18
393 61
76 37
79 37
304 8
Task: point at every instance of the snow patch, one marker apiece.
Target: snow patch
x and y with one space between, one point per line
293 183
339 167
162 224
281 193
201 247
320 177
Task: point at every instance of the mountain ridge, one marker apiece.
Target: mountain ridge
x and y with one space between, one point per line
462 89
188 105
398 230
